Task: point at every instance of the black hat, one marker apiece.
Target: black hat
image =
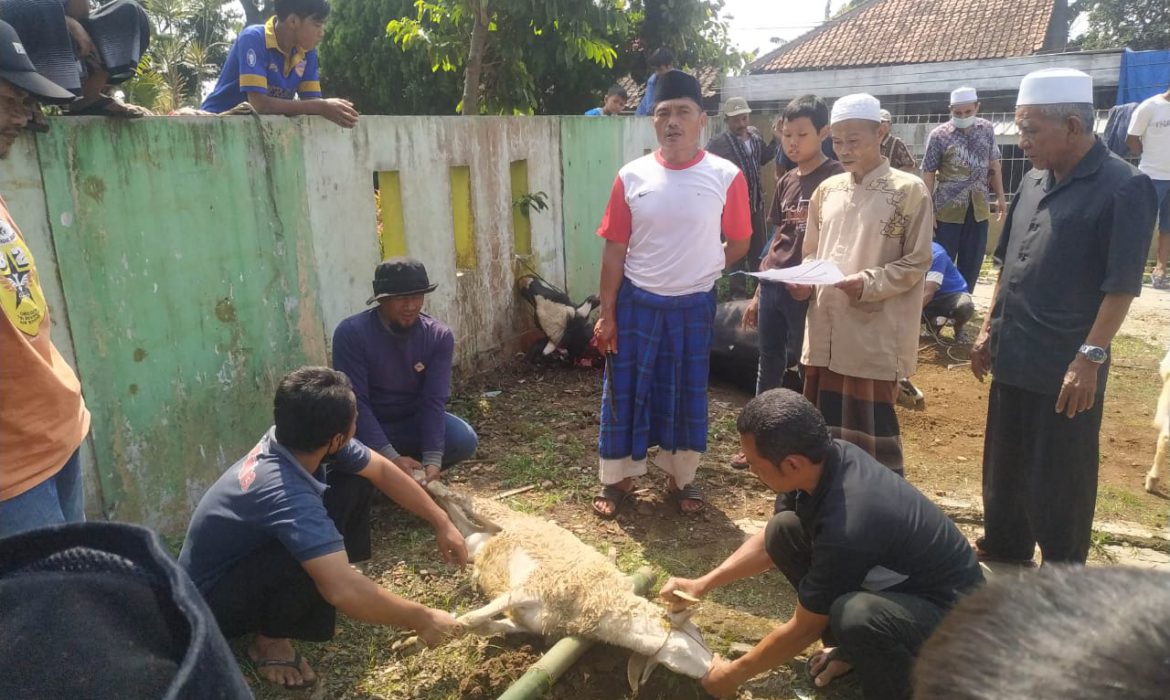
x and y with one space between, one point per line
675 85
400 277
18 69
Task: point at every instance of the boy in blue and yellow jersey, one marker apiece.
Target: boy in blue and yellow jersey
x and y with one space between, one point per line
272 65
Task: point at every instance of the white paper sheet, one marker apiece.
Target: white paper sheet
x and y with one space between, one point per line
811 272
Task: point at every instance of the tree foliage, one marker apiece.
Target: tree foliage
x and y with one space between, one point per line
511 43
189 42
1136 24
544 57
360 63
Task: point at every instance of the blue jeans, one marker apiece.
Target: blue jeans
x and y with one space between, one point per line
57 500
781 334
966 244
460 441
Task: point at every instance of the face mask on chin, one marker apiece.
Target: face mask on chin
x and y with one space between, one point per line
963 122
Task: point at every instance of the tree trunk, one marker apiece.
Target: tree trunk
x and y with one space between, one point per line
479 32
255 11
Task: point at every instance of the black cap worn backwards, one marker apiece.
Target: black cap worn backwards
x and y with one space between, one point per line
16 68
675 85
400 277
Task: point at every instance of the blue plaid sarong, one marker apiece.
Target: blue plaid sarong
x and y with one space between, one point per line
659 374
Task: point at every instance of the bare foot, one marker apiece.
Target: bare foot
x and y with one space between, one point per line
824 669
606 507
276 662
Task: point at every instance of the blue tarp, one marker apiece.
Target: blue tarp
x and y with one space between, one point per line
1143 74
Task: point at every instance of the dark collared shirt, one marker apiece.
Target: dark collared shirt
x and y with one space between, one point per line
750 156
871 530
1065 245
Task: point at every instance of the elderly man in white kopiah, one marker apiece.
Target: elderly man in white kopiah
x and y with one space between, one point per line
1073 252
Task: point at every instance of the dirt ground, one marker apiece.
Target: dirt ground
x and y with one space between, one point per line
539 427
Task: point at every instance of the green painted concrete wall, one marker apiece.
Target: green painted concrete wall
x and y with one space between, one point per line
593 149
184 257
201 259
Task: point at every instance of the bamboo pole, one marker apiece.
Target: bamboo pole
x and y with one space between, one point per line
542 674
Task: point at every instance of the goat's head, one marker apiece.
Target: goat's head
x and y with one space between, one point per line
684 652
475 528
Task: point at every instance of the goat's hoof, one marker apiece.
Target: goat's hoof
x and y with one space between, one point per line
1152 483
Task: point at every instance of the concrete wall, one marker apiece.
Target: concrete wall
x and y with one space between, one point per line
477 303
186 260
191 262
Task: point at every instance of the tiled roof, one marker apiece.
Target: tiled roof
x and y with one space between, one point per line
893 32
708 82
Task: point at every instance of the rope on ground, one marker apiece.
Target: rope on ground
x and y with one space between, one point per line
948 346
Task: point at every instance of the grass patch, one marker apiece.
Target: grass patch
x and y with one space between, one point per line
1131 351
723 428
551 459
1115 503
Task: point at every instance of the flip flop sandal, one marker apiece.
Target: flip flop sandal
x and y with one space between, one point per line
295 663
615 495
830 657
688 493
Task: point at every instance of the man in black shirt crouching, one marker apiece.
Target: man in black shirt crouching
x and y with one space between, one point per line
876 565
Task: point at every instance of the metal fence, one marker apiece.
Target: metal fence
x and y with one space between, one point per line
914 130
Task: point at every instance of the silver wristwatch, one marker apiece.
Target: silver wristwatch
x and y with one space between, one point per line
1094 354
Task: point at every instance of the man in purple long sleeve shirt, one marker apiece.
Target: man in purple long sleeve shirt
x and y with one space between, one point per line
399 361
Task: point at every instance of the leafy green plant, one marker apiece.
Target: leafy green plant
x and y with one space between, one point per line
187 47
528 202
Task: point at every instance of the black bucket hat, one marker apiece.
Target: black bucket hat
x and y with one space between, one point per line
17 68
400 277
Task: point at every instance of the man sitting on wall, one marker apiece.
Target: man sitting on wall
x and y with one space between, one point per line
273 65
266 544
399 360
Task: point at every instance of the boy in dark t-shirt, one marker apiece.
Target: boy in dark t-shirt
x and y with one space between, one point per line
779 318
801 127
266 544
875 564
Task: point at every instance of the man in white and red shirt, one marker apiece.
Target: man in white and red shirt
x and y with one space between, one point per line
664 226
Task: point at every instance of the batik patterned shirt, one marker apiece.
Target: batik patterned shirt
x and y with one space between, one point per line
962 161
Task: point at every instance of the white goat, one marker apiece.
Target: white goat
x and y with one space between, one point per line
1162 423
543 580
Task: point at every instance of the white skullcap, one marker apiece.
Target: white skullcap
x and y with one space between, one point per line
1053 86
886 116
963 95
859 106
